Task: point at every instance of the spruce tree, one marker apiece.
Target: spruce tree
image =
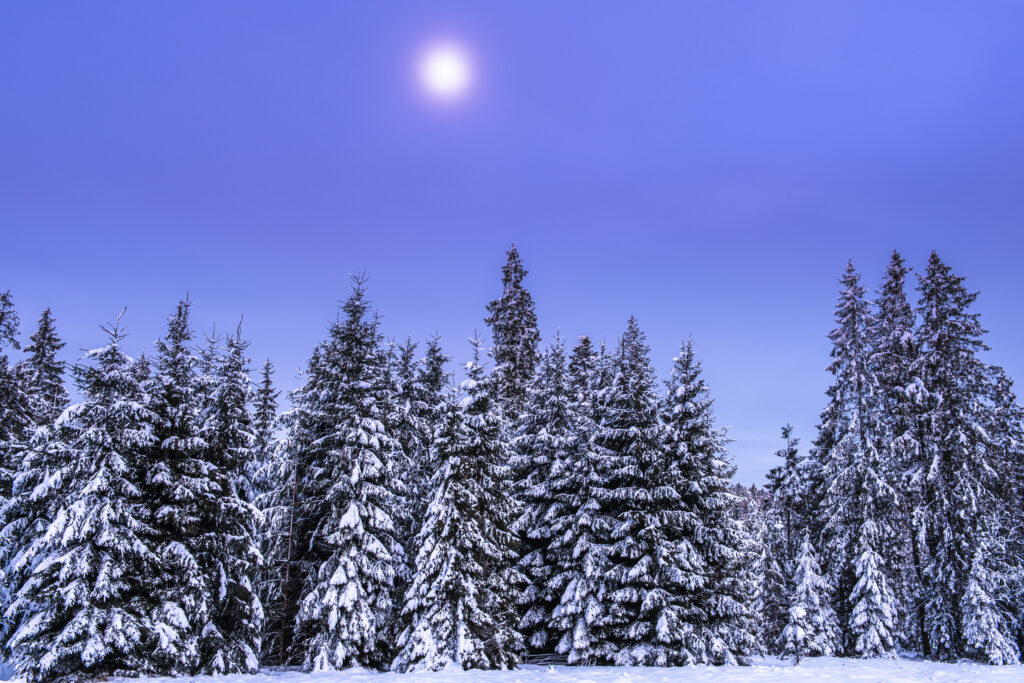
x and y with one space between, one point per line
787 484
873 613
227 548
812 629
514 333
985 629
857 498
178 488
265 401
894 348
581 529
350 498
15 404
461 604
91 599
959 460
44 373
546 439
705 565
631 434
771 594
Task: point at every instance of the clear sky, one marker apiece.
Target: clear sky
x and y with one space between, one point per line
709 167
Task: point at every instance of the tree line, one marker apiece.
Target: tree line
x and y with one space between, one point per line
558 504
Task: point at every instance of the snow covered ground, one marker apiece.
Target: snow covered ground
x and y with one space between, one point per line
816 669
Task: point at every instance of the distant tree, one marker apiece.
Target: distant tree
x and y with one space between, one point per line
513 323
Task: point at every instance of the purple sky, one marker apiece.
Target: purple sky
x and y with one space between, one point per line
708 167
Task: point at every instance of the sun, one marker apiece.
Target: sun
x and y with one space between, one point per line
445 70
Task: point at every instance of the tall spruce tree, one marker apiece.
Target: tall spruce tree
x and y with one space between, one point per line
28 511
705 564
546 439
858 503
514 333
350 497
632 436
461 604
179 488
581 529
958 458
227 548
893 343
91 599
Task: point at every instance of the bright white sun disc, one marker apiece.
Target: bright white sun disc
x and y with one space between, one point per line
445 70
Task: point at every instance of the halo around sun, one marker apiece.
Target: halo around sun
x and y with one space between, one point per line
445 70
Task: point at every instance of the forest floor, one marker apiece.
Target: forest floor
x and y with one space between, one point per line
771 669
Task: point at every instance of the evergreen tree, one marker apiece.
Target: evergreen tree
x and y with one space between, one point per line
546 439
179 488
350 497
857 498
771 594
985 628
44 374
705 565
264 418
787 485
813 629
15 404
580 527
461 604
227 545
894 348
91 600
873 616
958 458
514 332
631 434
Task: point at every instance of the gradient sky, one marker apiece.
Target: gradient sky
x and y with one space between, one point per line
707 167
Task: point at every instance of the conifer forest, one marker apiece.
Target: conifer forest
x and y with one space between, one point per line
430 504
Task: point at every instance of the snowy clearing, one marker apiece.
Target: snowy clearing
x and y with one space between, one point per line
770 669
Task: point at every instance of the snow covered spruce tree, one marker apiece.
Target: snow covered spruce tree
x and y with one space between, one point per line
787 485
958 457
546 439
704 566
812 629
349 493
179 489
580 526
43 373
461 605
513 323
893 343
858 504
264 417
26 514
226 547
631 434
90 604
986 636
15 404
873 612
771 595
